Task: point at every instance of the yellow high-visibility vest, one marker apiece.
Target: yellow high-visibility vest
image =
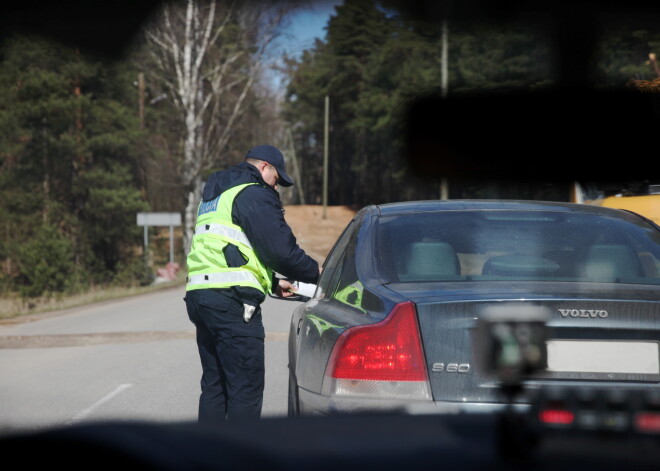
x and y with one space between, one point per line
214 231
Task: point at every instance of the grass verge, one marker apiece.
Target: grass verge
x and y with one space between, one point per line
15 306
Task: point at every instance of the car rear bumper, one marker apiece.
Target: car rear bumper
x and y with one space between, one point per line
317 404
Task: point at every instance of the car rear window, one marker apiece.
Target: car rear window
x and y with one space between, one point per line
485 245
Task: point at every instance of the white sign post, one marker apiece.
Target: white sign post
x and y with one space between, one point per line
159 219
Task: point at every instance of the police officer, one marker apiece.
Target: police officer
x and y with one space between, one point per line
241 240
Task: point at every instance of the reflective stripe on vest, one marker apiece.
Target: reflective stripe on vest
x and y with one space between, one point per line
235 277
219 229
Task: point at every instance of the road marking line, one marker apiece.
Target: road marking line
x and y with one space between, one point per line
83 414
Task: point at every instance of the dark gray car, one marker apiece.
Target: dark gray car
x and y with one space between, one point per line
393 322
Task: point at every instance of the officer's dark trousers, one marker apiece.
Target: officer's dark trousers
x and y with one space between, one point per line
232 355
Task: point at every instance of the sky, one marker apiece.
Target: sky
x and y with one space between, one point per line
307 24
304 27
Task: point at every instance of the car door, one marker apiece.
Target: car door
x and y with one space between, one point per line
306 317
314 331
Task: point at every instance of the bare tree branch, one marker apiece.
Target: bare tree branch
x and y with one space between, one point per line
209 55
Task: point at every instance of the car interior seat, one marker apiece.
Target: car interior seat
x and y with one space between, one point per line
428 261
611 262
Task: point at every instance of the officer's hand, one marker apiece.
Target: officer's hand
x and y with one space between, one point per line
284 289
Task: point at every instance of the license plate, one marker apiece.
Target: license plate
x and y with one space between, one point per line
595 356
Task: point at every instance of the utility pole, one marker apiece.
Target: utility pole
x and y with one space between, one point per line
141 99
326 131
296 168
444 189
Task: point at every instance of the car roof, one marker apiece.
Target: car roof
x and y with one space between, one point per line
391 209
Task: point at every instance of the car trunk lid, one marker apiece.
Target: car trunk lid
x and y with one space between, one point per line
589 341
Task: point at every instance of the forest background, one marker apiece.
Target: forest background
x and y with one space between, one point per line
86 142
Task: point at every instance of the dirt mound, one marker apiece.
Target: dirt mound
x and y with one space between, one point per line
315 234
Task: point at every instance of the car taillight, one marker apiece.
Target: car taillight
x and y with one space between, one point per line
384 359
556 417
647 422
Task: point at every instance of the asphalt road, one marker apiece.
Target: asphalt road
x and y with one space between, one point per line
128 359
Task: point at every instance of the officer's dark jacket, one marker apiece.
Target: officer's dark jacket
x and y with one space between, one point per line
258 211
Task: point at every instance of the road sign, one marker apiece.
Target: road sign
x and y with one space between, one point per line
159 219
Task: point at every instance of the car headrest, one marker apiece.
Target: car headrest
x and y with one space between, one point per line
610 262
429 261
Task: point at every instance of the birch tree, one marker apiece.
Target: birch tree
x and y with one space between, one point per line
209 55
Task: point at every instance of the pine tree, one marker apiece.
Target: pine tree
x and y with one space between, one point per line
65 130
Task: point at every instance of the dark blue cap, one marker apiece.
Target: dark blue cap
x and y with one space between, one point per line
273 156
